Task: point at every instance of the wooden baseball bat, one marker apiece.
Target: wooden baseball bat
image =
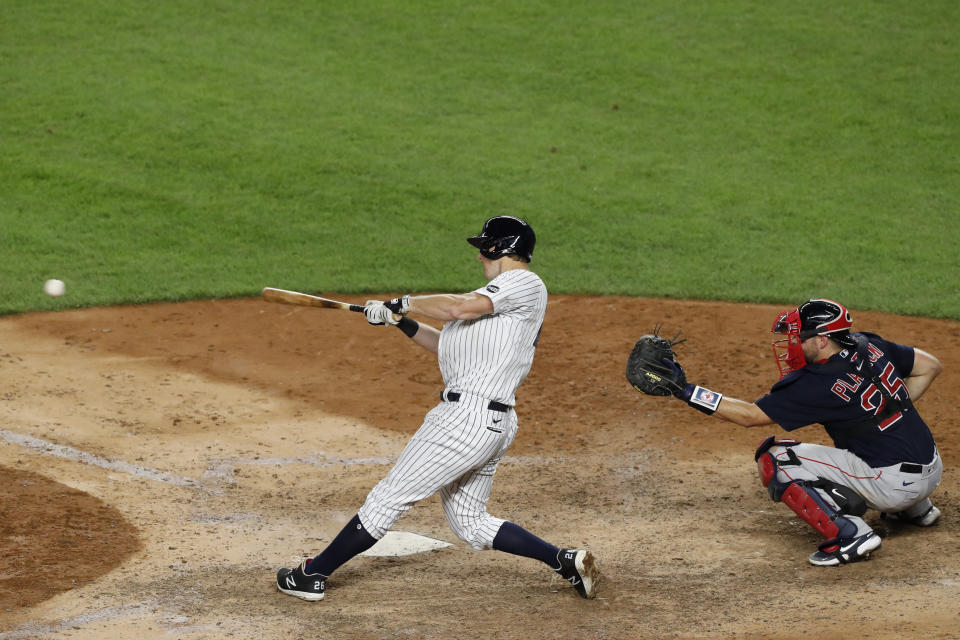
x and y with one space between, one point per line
306 300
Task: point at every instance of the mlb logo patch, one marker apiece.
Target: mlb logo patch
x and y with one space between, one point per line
705 395
706 398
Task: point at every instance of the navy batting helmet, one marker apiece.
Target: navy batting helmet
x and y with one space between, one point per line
505 235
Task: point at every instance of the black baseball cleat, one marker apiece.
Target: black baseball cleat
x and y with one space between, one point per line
297 582
579 569
845 550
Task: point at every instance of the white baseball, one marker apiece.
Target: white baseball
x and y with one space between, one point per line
54 288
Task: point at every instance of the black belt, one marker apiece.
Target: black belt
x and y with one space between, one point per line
909 467
453 396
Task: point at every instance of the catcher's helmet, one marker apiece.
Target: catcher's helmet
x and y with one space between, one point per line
815 317
819 317
505 235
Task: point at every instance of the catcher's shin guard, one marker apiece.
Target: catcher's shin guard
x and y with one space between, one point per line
801 496
806 502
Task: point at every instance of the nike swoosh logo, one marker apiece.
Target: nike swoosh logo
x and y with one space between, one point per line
855 542
836 493
496 421
907 484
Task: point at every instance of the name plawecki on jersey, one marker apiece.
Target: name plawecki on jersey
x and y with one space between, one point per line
491 356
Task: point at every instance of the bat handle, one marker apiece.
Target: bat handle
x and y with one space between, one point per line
356 307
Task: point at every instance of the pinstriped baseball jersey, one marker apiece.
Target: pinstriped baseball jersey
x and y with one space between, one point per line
489 357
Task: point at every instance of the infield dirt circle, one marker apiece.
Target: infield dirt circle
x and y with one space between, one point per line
159 463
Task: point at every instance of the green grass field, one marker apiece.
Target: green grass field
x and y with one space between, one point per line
734 150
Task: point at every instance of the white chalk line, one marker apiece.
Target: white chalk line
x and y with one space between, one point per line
69 453
321 460
222 470
34 629
315 461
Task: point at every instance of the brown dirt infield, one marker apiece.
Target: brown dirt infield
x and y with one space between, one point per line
158 463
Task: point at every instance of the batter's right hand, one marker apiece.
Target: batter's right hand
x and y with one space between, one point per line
377 313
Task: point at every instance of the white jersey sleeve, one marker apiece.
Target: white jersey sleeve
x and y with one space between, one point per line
491 356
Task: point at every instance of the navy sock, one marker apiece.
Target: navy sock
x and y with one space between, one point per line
520 542
353 539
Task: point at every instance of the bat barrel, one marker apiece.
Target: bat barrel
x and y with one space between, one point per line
283 296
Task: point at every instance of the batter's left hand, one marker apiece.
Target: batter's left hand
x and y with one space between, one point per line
399 305
378 313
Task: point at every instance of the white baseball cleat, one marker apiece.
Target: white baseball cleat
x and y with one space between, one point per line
928 518
845 550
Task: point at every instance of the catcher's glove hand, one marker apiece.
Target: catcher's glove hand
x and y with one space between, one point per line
652 367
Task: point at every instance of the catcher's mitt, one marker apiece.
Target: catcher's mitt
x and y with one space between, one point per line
652 367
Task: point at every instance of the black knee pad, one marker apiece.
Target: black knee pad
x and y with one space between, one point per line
849 502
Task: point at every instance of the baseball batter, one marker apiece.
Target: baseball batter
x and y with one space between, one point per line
862 389
485 351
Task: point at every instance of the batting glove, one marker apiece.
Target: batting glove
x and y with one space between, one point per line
399 305
378 313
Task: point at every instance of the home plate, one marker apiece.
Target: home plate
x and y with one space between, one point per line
403 543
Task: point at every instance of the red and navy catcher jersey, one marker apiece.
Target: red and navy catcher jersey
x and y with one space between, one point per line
850 406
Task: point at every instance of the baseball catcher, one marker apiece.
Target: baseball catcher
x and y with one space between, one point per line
862 389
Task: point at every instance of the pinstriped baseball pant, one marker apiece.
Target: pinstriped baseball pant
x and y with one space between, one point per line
456 452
